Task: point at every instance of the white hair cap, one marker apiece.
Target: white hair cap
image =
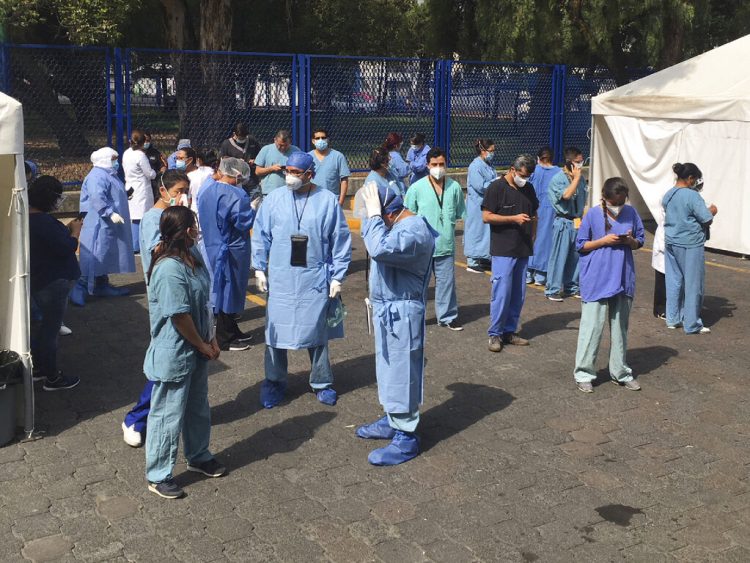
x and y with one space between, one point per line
102 158
234 168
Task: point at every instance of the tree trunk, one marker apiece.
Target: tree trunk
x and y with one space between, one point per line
673 33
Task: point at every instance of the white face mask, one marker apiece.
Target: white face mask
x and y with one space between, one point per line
578 164
614 209
437 172
518 181
293 182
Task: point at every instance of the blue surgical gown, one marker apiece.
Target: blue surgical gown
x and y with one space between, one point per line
389 181
399 169
226 218
298 295
331 170
417 163
399 274
476 232
540 179
105 247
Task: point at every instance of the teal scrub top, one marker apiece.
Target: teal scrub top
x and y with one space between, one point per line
268 156
175 288
572 207
686 218
422 199
330 171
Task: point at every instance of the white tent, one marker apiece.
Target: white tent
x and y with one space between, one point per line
695 111
14 246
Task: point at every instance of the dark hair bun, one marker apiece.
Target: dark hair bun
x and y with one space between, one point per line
676 168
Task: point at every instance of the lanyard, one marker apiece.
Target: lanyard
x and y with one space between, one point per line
439 198
297 214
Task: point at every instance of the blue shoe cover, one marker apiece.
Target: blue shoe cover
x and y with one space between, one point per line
271 393
110 291
327 396
78 295
402 448
378 430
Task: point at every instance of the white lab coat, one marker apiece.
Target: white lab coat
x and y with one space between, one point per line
138 175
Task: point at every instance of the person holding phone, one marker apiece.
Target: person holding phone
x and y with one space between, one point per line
271 160
302 241
567 195
606 241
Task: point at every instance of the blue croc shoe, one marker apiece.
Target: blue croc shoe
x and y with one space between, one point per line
78 295
403 447
378 430
110 291
327 396
271 393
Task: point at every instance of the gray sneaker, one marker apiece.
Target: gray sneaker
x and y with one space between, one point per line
632 385
586 387
496 344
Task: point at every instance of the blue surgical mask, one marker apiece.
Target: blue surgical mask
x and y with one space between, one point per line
115 165
321 144
489 157
181 165
147 145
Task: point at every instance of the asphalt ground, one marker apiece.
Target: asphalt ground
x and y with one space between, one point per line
517 464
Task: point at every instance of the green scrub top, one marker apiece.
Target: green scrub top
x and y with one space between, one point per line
175 288
422 200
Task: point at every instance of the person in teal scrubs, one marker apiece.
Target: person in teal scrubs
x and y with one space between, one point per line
177 357
331 169
271 161
397 165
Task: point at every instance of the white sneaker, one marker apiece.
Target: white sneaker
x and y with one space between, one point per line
131 436
704 330
65 331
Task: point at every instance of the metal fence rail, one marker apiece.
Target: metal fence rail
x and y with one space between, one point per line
77 99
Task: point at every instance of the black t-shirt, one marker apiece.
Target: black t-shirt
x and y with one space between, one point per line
52 251
503 199
234 150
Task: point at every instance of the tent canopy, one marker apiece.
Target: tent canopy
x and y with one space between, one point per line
696 111
11 126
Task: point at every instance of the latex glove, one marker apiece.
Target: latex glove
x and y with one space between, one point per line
371 200
260 281
335 289
255 203
117 219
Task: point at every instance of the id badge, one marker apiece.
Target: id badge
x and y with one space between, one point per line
577 223
299 251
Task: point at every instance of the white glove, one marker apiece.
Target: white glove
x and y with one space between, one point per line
117 219
335 288
260 281
255 203
371 199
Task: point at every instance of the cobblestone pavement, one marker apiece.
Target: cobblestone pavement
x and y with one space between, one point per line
517 466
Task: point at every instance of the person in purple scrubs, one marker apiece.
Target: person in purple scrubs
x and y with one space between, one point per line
606 240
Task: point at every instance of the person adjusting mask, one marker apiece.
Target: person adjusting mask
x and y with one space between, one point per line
301 251
400 245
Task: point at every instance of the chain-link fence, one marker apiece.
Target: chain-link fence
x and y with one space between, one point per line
359 101
201 95
508 103
77 99
66 94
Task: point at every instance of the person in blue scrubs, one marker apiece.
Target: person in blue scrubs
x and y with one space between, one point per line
417 157
172 158
331 169
567 194
476 232
686 224
271 161
606 240
174 187
106 243
177 358
400 245
543 173
509 207
226 216
397 166
301 252
380 172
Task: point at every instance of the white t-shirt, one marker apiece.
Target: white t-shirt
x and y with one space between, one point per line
197 177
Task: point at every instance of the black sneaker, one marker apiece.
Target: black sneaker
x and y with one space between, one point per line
237 346
453 325
243 337
210 468
166 489
60 382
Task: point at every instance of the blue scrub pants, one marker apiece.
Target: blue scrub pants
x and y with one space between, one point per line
135 229
614 311
51 302
321 376
562 268
446 304
406 422
686 275
138 415
507 294
178 408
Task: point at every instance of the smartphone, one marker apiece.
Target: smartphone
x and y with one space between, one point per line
80 216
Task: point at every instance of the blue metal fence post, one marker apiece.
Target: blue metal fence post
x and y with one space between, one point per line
437 100
119 117
447 94
128 114
108 92
301 118
558 110
296 95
